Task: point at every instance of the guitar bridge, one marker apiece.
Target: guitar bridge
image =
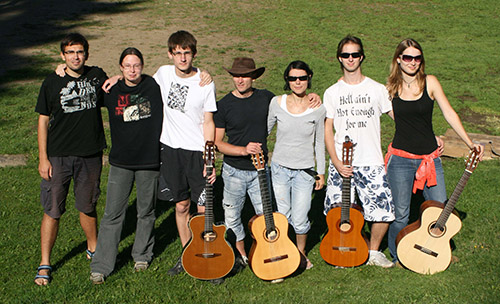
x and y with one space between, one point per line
426 250
276 259
207 255
344 249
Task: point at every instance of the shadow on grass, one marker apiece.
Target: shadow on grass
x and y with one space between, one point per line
30 23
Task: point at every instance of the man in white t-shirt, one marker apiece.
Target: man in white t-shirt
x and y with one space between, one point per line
354 106
187 124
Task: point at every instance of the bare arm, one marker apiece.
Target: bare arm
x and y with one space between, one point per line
44 165
209 135
229 149
330 147
437 93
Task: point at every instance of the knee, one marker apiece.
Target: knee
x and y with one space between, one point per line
182 207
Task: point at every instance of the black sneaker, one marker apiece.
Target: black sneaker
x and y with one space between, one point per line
176 269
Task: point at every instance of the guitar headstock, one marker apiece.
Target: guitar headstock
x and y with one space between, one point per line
209 154
258 161
347 149
472 160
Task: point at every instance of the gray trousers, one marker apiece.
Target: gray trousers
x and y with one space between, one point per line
120 184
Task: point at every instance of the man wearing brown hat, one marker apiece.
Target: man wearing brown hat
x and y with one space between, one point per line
242 115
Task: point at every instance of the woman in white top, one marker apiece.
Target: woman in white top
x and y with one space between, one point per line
299 148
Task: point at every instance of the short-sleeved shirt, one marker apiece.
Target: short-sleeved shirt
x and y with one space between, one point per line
185 103
135 118
244 120
73 106
356 110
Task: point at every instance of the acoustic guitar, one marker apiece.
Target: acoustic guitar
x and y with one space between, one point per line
208 255
272 255
424 246
344 245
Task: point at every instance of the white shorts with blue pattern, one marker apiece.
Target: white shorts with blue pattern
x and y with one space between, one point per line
372 189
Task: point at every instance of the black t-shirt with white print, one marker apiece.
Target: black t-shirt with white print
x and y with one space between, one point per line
73 106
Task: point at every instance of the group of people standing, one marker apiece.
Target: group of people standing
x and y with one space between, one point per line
159 126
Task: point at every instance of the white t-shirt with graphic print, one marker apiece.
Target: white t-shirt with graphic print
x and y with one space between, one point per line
356 111
184 105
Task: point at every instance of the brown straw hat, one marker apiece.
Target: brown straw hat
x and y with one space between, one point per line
245 66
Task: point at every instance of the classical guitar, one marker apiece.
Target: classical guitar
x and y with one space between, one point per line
344 245
208 255
272 255
424 246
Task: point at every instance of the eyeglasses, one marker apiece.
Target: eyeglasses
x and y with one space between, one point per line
294 78
73 53
408 58
129 67
186 54
354 55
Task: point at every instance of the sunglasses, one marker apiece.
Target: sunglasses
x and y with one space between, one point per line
294 78
354 55
408 58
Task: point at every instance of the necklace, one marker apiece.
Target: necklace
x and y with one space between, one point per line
408 83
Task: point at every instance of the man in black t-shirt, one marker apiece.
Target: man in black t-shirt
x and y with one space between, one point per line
70 142
242 115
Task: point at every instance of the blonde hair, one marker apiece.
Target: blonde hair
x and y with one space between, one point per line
395 79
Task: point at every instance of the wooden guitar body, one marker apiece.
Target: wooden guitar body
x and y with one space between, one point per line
422 250
424 246
207 256
344 245
272 256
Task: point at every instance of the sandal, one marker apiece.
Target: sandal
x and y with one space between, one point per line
46 277
90 254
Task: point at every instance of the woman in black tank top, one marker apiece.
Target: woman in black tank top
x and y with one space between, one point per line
413 94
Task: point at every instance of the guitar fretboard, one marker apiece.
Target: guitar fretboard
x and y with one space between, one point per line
346 200
266 201
452 201
209 202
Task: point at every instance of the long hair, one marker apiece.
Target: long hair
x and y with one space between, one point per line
395 79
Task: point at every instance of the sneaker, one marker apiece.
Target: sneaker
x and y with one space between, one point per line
141 266
96 278
176 269
377 258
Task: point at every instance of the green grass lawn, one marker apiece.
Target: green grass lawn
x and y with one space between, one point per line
460 41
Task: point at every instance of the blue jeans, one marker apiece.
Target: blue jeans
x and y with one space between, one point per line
293 189
237 183
401 174
120 184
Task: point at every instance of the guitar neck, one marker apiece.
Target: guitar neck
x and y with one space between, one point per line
266 200
346 200
209 202
452 201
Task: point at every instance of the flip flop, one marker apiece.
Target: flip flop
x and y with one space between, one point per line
47 277
90 254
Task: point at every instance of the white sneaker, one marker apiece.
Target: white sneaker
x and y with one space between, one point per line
377 258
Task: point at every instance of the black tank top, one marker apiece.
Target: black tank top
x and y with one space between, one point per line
413 120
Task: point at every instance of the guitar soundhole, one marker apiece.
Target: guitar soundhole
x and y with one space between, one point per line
436 231
209 236
272 236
